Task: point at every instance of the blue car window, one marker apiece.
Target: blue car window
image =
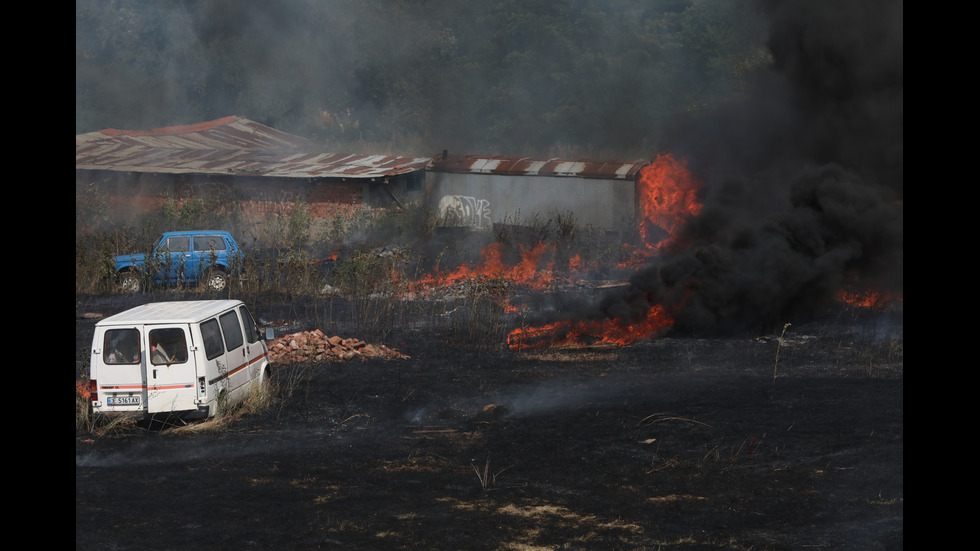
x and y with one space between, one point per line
178 243
204 243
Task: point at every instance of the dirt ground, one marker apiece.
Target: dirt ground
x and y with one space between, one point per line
673 444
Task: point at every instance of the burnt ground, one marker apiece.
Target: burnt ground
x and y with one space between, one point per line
674 444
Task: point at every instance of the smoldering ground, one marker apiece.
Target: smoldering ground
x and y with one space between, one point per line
685 443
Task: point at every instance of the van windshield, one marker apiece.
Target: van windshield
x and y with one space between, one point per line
168 346
121 347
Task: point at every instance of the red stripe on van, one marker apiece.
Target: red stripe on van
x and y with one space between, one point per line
170 387
145 387
236 370
139 386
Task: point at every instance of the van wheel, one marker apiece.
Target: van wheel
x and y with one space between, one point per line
130 282
216 280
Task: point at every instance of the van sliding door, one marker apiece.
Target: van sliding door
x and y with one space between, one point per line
237 356
216 363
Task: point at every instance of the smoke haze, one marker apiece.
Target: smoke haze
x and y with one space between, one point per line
527 78
796 124
804 179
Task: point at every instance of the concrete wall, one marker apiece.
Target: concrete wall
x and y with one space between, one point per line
481 200
463 199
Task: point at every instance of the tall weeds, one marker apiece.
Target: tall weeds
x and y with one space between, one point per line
365 261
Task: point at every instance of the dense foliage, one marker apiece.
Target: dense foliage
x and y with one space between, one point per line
513 77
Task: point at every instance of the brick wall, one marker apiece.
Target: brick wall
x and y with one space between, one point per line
257 196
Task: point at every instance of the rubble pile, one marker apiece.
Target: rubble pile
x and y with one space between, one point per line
316 346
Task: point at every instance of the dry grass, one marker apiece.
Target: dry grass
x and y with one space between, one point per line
259 398
487 478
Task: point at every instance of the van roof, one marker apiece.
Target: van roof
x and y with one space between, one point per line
188 311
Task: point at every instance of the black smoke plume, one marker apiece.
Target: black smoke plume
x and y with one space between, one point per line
803 180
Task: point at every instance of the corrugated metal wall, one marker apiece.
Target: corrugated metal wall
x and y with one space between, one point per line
481 200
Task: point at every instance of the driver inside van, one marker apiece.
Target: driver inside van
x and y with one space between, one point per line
159 355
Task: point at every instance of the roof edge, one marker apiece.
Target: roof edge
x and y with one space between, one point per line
171 130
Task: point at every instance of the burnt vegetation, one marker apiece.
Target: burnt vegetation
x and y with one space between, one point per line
767 415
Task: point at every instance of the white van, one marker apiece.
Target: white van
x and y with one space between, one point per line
184 359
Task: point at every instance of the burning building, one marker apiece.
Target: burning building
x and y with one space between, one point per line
268 171
480 191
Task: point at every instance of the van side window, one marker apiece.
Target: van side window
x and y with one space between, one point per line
232 329
204 243
213 347
168 346
121 346
251 332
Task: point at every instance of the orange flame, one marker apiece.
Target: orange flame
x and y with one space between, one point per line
867 299
533 270
667 195
590 332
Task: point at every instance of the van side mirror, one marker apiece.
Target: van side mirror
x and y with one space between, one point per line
270 333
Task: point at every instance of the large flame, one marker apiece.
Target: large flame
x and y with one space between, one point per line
667 196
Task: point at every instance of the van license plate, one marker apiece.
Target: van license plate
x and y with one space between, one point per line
124 400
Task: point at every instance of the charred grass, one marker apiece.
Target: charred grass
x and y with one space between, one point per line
790 440
668 444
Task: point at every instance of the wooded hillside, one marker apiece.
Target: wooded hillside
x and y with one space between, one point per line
512 77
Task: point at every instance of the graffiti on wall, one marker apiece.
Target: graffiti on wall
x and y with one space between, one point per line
460 210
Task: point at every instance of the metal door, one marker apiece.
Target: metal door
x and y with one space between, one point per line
176 258
170 370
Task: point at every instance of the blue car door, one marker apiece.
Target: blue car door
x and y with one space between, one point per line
208 250
175 253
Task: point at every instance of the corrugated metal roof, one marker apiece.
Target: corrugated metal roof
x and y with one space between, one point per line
228 146
170 312
525 166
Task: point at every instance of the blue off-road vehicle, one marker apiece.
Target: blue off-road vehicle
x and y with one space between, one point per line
208 257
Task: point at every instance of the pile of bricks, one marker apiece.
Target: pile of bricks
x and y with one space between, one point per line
316 346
